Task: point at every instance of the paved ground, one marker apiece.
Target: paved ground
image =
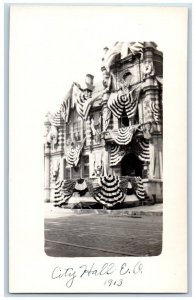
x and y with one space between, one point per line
72 233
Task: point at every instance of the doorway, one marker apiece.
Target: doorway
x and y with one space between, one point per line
131 165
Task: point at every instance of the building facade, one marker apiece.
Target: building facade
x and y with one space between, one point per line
110 130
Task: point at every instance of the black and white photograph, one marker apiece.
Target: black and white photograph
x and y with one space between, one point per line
97 149
103 158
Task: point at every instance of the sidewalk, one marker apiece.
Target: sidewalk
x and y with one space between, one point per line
147 210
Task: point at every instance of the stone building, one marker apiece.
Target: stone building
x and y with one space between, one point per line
112 129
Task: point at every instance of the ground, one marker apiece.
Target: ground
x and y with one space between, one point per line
88 233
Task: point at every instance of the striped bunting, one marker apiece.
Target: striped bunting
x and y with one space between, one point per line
73 155
123 184
117 102
81 101
142 150
57 119
138 187
156 111
116 155
63 191
109 193
93 187
123 136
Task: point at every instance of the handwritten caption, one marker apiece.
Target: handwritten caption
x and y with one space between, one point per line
113 275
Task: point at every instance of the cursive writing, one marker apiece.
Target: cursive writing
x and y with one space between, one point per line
113 274
106 269
68 273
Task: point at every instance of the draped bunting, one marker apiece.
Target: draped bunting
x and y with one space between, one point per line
93 187
123 184
57 119
156 111
77 98
142 149
81 187
118 102
63 191
82 102
123 136
109 192
138 187
82 106
73 155
122 49
116 155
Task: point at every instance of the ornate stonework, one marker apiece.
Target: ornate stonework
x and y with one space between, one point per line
124 110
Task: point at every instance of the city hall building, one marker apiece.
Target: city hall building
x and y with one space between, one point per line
105 141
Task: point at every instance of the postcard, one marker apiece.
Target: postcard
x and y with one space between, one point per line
97 149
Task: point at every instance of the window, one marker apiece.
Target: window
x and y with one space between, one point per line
73 129
127 77
76 173
77 128
124 121
68 134
111 123
85 171
67 174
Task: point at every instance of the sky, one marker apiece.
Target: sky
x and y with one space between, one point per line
52 46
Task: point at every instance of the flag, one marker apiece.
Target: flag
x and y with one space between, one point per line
72 155
108 193
141 148
123 136
119 101
138 187
116 155
63 191
156 111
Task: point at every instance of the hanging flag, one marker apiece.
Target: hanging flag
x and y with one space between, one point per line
123 136
81 187
138 187
56 120
63 191
123 184
81 101
156 111
141 149
116 155
119 101
67 104
93 187
73 154
109 192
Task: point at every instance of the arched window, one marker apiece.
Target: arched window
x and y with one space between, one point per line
127 77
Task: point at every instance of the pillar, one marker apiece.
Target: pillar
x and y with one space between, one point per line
46 160
115 123
61 138
47 173
105 111
88 132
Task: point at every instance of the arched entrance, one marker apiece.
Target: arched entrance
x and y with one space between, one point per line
131 165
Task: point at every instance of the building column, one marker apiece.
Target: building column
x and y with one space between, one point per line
47 174
115 123
61 138
88 132
155 168
46 160
106 114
